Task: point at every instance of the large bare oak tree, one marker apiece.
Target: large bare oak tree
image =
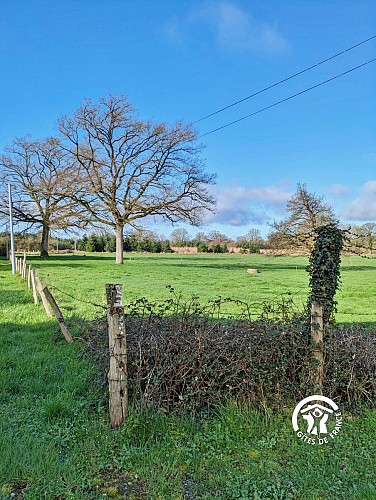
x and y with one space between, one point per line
132 169
306 212
40 174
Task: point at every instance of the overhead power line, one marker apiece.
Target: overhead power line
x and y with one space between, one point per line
284 80
288 98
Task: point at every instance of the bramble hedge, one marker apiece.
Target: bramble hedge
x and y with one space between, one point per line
191 363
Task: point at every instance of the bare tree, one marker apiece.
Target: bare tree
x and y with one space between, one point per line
201 237
216 237
251 241
307 211
369 235
132 169
253 236
40 174
179 236
363 237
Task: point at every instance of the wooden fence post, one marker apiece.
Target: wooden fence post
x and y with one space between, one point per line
317 332
29 277
117 374
23 273
40 288
34 285
58 314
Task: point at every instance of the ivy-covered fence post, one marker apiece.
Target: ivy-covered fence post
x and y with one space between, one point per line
324 263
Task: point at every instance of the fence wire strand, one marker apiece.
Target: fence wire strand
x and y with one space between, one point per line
77 298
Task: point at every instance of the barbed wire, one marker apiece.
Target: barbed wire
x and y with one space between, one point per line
282 305
101 306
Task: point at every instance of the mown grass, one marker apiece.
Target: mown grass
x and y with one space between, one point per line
207 276
55 441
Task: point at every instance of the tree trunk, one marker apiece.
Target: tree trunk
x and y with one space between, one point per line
119 244
44 243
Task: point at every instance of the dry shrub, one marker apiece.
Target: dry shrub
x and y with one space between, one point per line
350 365
190 363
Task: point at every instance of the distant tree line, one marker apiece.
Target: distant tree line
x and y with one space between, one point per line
131 243
361 239
306 212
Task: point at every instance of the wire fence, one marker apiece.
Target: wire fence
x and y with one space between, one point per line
280 307
179 328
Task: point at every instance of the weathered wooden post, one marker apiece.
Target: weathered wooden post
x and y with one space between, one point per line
40 288
34 285
23 273
317 332
29 277
58 314
117 374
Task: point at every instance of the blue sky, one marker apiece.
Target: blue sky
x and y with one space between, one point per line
186 59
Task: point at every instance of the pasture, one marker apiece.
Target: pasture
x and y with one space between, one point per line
55 440
208 276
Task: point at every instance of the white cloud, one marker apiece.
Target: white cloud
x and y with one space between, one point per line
339 190
239 206
363 208
270 194
233 28
237 29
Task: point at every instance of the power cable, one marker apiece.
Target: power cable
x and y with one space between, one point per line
287 98
284 80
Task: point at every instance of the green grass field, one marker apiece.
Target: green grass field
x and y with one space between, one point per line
147 275
55 441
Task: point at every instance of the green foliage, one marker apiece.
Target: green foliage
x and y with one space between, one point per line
109 243
250 246
132 243
202 247
81 243
218 248
3 249
91 244
324 268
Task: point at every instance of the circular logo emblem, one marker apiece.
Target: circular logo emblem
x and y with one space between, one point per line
317 420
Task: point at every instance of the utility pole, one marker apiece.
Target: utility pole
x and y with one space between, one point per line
6 242
13 253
